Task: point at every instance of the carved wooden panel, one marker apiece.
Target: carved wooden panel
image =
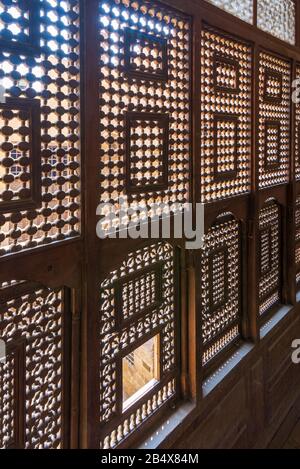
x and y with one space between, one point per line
33 380
269 256
137 304
274 120
19 30
20 160
51 79
144 69
221 287
225 115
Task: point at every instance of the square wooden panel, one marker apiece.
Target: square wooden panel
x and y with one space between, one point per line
138 294
226 74
145 55
272 144
273 86
265 250
20 161
225 147
146 151
218 278
19 26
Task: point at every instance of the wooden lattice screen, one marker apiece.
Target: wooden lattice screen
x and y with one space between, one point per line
152 102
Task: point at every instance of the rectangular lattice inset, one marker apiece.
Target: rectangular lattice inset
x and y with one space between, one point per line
221 311
144 68
272 142
273 86
243 9
146 56
278 17
218 266
226 147
147 147
52 78
136 275
20 163
274 120
265 250
33 324
138 293
226 72
269 255
19 26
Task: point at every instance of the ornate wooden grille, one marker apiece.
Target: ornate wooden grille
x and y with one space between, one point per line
176 107
274 120
220 275
19 30
297 132
269 252
39 204
144 99
225 116
33 378
128 316
39 164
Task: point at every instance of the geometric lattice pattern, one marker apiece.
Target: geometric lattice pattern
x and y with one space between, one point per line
51 78
297 238
140 271
274 120
220 275
243 9
225 116
19 25
277 17
144 71
146 152
269 256
31 379
297 132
